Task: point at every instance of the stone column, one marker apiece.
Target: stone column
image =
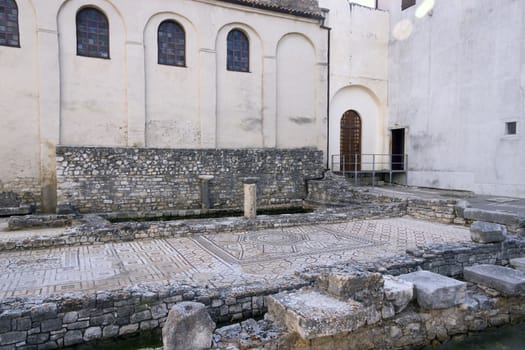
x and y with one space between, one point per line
250 197
205 191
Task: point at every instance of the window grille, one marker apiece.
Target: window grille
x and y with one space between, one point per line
171 44
238 51
9 32
92 33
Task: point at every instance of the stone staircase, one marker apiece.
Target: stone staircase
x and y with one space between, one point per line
348 310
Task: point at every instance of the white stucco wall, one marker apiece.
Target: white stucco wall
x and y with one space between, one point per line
297 89
19 106
453 83
172 93
52 96
359 51
93 90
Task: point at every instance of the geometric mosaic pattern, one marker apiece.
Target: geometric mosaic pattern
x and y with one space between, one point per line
218 260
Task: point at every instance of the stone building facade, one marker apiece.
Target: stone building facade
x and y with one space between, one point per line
264 74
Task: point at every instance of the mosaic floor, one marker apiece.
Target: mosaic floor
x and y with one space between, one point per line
214 260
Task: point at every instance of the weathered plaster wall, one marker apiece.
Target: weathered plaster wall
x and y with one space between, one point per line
297 92
52 96
149 180
358 72
19 116
454 82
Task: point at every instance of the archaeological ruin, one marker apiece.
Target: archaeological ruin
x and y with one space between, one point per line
260 174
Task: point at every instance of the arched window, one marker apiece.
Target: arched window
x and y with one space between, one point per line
92 33
171 44
238 51
9 35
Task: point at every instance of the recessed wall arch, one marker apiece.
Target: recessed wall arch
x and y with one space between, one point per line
93 102
366 104
172 92
239 94
302 35
296 91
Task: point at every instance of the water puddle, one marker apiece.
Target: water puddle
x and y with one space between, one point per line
504 338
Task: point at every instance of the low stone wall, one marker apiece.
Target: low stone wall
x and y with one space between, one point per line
413 328
75 319
97 179
337 190
70 319
94 229
20 191
447 259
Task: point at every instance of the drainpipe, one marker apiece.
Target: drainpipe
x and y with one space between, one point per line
328 31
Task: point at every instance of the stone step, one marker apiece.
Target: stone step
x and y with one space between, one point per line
434 291
21 210
503 279
518 264
312 314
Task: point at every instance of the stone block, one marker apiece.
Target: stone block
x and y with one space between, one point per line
503 279
491 216
362 286
518 264
400 293
70 317
43 312
92 333
12 337
434 291
486 232
188 326
51 325
73 338
110 331
312 315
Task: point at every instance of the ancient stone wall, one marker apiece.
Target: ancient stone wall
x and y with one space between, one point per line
74 319
81 318
96 179
20 192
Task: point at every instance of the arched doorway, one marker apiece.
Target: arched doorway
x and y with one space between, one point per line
350 141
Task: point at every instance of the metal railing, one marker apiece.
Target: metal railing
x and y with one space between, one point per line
373 164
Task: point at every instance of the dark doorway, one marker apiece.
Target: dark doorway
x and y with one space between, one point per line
350 141
398 149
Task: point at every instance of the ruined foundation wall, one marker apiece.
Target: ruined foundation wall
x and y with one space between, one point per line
98 179
20 192
74 319
416 327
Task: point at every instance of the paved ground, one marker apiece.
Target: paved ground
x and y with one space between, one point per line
513 205
215 260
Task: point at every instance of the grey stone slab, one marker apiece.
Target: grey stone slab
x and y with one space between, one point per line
312 314
188 326
503 279
398 292
487 232
518 264
434 291
494 216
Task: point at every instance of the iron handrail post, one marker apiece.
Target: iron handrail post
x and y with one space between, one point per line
355 169
373 169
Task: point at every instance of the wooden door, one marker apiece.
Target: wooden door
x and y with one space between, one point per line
350 141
